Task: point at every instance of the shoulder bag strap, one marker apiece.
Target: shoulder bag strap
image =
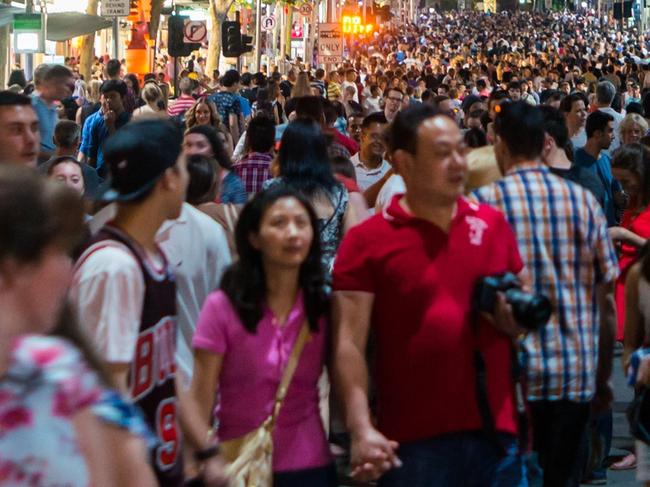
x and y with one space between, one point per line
292 364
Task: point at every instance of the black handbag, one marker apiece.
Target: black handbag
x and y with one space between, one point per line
638 415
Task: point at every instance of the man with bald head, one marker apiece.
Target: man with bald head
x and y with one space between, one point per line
19 130
409 272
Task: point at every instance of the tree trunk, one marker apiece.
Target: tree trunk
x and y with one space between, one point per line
218 14
154 22
87 57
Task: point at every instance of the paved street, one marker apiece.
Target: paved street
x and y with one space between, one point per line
622 439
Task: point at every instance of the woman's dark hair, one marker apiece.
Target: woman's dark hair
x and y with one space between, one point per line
636 159
567 102
135 82
245 282
260 134
303 160
202 187
70 108
17 77
36 213
521 126
475 138
218 151
311 107
344 167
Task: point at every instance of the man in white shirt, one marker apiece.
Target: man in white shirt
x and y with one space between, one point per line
123 288
197 250
350 80
369 163
605 93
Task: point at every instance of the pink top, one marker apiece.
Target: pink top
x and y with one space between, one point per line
252 368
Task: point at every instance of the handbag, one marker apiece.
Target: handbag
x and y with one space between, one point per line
250 457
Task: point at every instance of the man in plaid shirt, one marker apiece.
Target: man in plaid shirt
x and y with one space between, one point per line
562 235
253 168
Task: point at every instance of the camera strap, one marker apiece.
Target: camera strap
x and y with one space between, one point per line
487 419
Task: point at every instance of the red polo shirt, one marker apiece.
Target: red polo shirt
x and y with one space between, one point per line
422 280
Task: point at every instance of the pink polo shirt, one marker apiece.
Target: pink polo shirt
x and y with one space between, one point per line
251 372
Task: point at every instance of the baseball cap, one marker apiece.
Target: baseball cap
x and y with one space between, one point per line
137 155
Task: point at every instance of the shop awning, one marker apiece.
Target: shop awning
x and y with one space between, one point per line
62 26
7 14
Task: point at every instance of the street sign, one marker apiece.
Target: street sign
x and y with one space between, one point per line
330 43
195 31
115 8
306 10
28 33
268 23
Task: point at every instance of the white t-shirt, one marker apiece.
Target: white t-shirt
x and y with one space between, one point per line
367 177
345 84
394 185
108 292
197 250
579 140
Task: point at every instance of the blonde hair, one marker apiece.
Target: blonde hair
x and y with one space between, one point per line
302 87
92 93
190 115
151 92
631 119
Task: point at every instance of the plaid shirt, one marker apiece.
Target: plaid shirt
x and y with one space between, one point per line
562 235
253 169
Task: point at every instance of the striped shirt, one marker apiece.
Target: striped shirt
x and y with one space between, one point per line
253 169
333 91
181 105
562 236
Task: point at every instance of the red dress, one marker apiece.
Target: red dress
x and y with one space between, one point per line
640 225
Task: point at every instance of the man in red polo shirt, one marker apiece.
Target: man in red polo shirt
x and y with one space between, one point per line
409 273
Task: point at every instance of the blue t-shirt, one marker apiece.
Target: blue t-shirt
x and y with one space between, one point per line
602 168
47 120
245 106
226 104
233 190
95 133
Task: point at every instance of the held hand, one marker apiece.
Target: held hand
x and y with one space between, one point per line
603 398
110 117
372 455
214 472
503 318
615 233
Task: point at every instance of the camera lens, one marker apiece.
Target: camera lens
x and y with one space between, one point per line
531 311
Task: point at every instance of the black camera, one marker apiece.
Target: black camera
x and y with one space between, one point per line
531 311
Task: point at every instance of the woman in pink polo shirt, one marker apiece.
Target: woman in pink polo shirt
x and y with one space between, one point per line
246 333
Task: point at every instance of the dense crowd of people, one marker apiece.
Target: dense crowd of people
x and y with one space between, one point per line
422 260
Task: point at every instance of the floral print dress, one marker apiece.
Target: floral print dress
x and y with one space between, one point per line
46 385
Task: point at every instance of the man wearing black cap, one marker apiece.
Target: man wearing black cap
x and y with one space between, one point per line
104 122
123 287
